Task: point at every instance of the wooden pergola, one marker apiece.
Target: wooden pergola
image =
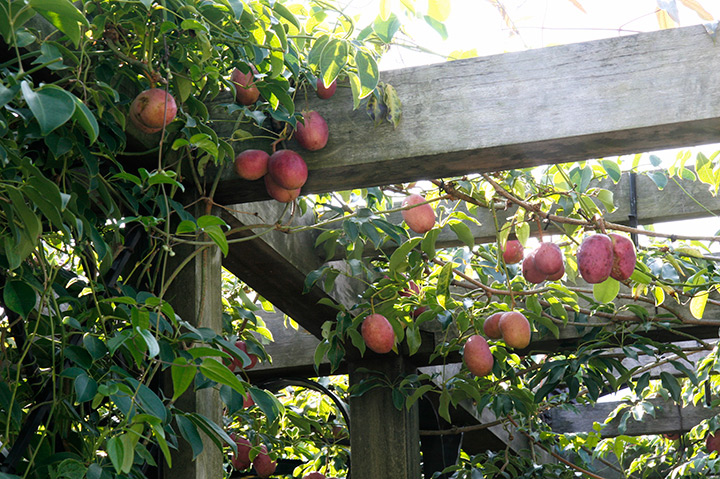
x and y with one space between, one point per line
567 103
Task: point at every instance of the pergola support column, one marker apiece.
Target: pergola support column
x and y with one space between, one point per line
384 442
196 296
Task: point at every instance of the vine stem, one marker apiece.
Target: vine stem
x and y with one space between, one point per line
613 226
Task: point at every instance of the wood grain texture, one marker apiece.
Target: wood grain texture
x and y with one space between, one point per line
669 418
565 103
385 441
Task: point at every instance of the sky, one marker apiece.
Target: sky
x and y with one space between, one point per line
477 24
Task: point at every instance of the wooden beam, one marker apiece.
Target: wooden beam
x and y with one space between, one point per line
196 296
275 263
565 103
669 418
385 441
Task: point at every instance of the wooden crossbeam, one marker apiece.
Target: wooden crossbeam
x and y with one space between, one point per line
669 417
573 102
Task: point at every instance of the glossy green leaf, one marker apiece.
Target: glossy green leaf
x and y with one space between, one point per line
152 344
439 9
368 74
19 297
85 388
268 404
190 433
52 107
64 15
218 237
183 375
332 60
86 119
463 232
114 450
606 291
698 302
218 372
443 284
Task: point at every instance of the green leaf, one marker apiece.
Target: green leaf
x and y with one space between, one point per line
437 26
522 231
8 94
19 297
129 441
268 404
612 169
190 433
670 383
428 243
182 376
333 59
86 119
186 226
115 452
398 260
659 178
210 220
85 388
152 344
606 291
607 199
385 9
217 235
368 73
218 372
393 104
462 231
283 11
412 333
64 15
698 302
52 107
443 284
439 9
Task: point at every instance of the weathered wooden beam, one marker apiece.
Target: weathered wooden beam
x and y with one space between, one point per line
564 103
669 417
275 263
385 441
196 296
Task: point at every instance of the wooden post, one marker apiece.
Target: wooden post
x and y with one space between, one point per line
384 442
196 296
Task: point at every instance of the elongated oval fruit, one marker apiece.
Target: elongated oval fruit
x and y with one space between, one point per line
153 109
491 326
515 329
530 272
246 93
287 169
513 252
251 164
548 258
477 356
420 219
595 258
378 334
323 91
312 133
264 466
277 192
624 257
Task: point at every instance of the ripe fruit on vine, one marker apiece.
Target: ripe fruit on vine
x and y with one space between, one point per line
262 463
314 475
477 356
323 91
252 164
674 436
377 333
237 363
530 271
287 169
515 329
241 460
246 93
279 193
624 257
491 326
420 219
548 259
312 133
513 252
712 442
152 109
557 275
595 258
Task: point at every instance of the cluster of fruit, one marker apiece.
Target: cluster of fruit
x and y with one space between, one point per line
285 171
510 326
263 465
